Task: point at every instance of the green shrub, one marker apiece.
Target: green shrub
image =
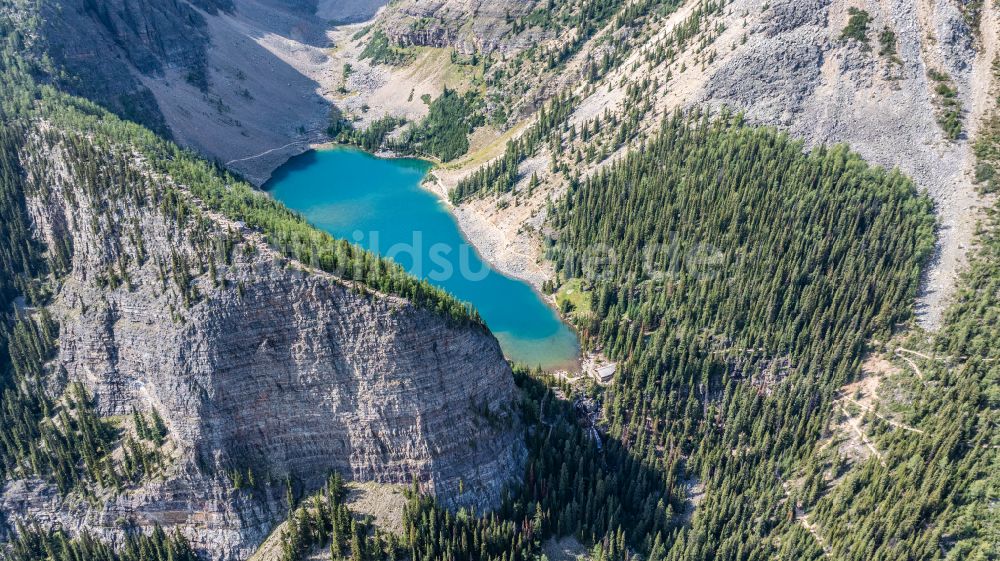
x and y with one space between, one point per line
887 45
381 51
949 107
857 26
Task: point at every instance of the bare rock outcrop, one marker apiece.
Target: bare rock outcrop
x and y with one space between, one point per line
476 26
230 78
259 365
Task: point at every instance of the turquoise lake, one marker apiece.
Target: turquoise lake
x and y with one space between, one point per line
379 204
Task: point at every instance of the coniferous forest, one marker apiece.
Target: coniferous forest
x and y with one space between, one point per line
694 301
34 543
738 279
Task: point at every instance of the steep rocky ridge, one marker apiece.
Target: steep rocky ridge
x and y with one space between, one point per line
106 47
266 65
257 363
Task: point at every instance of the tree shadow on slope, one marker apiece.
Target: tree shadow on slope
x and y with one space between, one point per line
577 482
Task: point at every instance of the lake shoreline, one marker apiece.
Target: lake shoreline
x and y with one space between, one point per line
469 221
482 235
356 195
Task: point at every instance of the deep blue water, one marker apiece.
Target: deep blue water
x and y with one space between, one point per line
379 204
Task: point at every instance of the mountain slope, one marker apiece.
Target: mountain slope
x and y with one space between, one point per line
788 64
906 84
266 353
773 396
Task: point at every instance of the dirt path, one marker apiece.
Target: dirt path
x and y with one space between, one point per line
896 424
920 354
855 425
266 152
947 358
803 519
913 365
876 367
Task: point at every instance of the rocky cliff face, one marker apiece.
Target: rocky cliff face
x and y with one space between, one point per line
476 26
268 367
231 79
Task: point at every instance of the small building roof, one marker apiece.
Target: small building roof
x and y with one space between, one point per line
604 373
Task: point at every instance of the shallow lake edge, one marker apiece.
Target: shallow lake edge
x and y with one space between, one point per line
576 365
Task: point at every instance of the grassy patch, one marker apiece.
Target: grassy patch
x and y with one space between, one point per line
447 70
887 45
482 153
573 299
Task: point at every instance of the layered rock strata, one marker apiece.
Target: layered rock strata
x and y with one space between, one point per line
265 367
